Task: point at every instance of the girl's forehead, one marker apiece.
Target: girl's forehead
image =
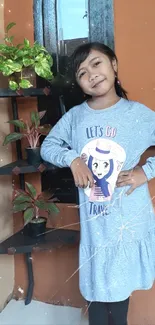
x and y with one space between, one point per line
94 54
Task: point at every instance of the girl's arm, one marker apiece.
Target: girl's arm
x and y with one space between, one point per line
149 166
140 175
56 146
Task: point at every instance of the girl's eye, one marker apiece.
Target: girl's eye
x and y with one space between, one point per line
95 165
96 63
81 74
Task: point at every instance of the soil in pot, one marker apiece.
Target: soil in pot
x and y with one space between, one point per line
33 156
36 227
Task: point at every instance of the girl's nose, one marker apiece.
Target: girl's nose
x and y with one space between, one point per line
92 77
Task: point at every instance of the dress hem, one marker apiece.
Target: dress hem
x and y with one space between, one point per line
122 299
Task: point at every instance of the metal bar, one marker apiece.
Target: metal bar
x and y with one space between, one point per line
18 143
28 299
15 117
22 181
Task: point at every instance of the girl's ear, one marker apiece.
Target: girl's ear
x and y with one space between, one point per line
114 64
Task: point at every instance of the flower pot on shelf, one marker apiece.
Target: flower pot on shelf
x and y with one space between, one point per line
36 227
32 206
27 75
33 156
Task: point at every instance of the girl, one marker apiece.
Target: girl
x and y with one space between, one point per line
102 141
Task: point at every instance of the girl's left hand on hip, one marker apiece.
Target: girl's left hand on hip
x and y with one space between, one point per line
134 177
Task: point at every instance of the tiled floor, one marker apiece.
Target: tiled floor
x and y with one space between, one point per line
39 313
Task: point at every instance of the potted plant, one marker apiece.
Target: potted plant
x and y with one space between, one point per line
19 62
32 133
31 204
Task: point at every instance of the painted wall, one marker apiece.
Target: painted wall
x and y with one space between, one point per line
135 48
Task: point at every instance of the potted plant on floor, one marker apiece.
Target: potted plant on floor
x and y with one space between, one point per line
21 62
31 204
32 133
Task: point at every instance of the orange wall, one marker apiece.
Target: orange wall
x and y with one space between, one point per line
135 48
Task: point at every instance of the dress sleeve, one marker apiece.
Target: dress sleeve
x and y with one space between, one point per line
57 146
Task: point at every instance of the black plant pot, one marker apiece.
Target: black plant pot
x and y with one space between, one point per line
34 229
33 156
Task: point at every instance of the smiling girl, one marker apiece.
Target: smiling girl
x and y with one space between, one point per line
102 141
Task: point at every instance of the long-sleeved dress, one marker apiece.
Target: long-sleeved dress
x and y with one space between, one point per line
117 244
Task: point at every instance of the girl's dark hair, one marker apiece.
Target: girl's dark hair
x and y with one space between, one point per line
81 53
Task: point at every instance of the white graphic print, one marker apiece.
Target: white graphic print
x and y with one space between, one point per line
105 159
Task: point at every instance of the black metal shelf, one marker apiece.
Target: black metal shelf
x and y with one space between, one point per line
21 243
31 92
22 167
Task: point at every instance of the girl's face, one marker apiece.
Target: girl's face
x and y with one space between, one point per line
96 75
100 168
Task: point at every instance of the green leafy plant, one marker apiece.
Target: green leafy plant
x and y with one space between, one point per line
14 59
31 203
31 132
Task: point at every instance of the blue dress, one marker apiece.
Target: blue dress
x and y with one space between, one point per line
117 244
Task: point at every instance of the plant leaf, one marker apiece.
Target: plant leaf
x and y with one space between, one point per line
27 62
42 69
12 137
21 198
13 85
19 45
25 84
31 190
9 39
20 52
21 206
35 119
10 26
50 59
41 204
51 207
26 42
44 129
18 123
14 66
41 114
28 215
47 206
39 57
6 71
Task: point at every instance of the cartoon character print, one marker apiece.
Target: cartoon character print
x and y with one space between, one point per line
105 159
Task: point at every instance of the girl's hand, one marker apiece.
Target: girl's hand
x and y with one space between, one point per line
134 177
81 173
